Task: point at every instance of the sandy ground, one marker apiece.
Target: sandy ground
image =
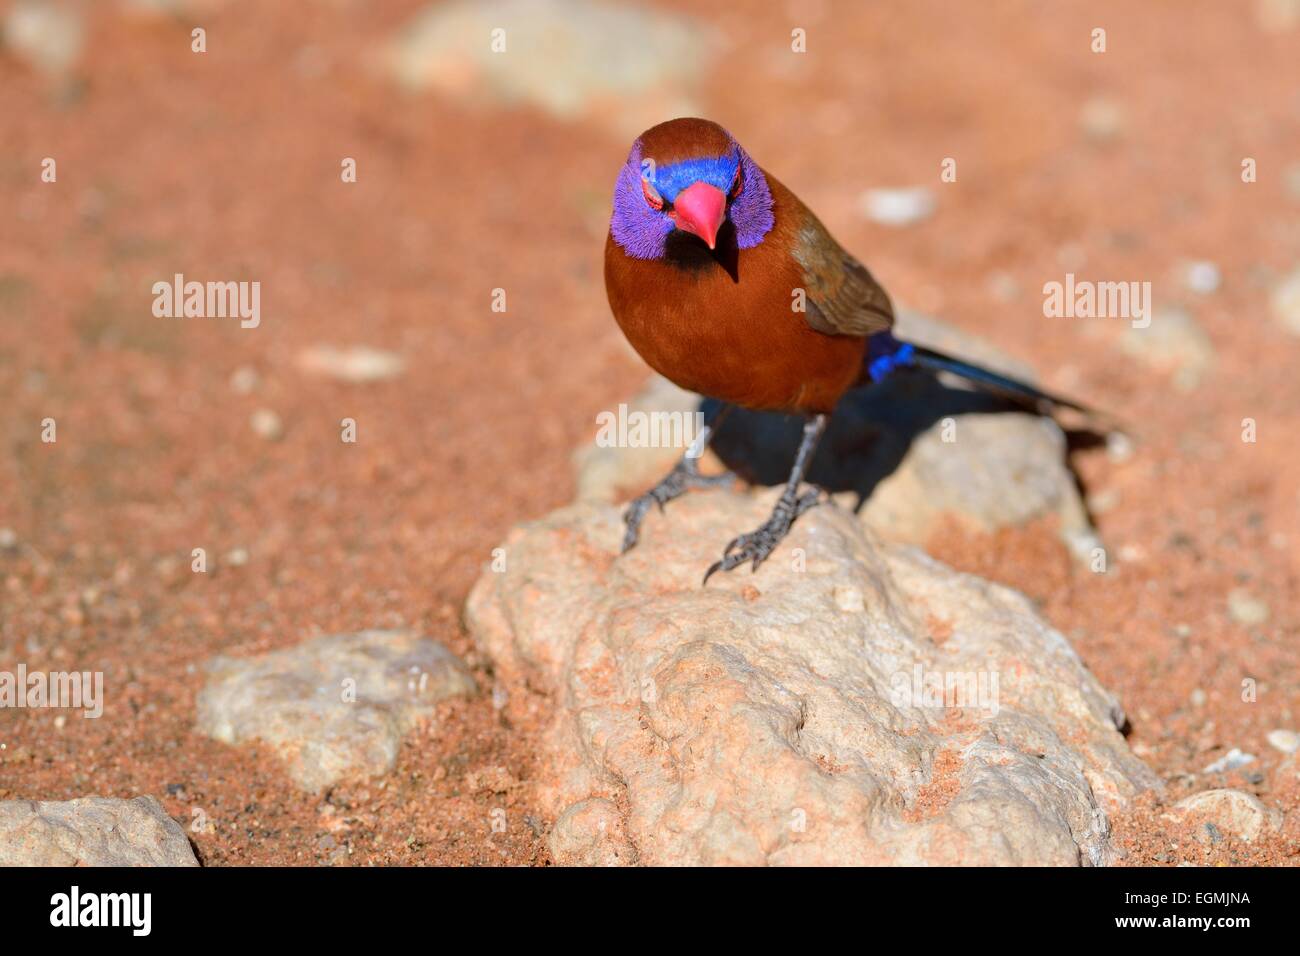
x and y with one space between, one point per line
228 165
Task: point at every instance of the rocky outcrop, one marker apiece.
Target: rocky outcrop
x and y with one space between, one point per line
850 703
91 831
333 707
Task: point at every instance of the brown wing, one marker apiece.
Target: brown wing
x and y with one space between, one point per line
842 296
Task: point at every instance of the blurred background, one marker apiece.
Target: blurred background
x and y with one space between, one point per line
485 161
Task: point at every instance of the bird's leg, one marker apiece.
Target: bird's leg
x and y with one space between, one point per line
685 475
757 545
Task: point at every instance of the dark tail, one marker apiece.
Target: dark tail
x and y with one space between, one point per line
1014 389
885 353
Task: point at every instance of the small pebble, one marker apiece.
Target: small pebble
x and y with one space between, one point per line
358 364
1287 741
1233 759
897 207
267 424
1232 813
1246 609
1285 302
1101 120
1119 447
1201 277
243 380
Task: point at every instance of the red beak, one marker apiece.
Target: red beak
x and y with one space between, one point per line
699 209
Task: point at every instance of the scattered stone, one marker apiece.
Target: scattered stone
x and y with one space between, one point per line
1231 812
267 424
48 36
1119 447
237 557
1285 302
569 57
802 726
1101 119
335 707
1172 342
91 831
897 207
1198 697
1245 608
1201 277
244 380
1287 741
357 365
913 450
8 539
1233 759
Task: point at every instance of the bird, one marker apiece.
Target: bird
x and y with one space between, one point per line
726 284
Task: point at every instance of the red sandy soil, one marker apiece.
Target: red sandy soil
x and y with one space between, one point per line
227 165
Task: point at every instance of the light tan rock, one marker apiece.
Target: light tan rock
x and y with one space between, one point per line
631 64
782 717
358 364
1172 341
47 35
91 831
333 707
1230 812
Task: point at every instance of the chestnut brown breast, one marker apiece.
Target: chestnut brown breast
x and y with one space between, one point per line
723 324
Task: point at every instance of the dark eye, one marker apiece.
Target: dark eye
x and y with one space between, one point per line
739 184
651 194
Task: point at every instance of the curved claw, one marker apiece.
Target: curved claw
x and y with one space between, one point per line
715 566
632 518
759 545
677 482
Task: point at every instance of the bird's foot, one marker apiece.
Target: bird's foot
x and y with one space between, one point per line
758 545
677 482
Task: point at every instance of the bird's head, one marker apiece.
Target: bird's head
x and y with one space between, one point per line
689 176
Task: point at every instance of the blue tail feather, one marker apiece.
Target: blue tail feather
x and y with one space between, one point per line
885 354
